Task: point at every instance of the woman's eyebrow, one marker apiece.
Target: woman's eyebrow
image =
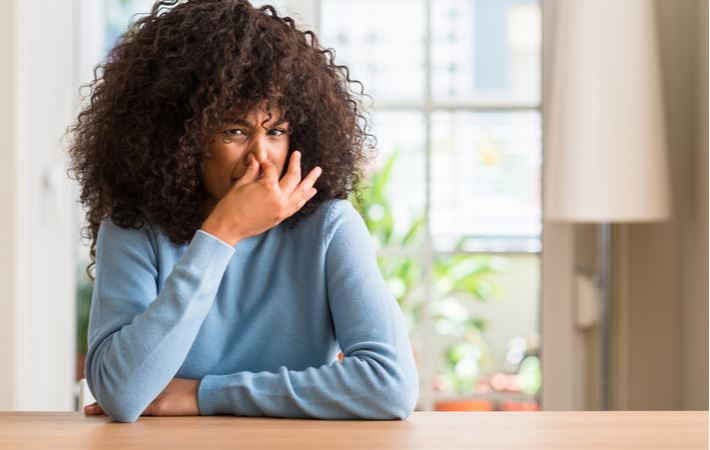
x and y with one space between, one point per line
245 123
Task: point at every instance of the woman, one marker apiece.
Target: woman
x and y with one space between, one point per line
225 282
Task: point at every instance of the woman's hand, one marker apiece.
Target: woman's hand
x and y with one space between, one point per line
253 205
179 398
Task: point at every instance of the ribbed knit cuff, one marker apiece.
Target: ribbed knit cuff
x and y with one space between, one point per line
212 397
206 251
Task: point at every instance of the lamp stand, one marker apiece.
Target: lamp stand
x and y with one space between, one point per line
604 231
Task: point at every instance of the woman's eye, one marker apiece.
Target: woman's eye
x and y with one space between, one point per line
235 132
277 132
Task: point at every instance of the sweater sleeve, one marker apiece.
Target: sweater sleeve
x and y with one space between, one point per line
377 378
139 338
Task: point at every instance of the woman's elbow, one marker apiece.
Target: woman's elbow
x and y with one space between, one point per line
408 395
124 415
398 401
118 406
117 401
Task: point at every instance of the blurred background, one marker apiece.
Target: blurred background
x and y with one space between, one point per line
538 205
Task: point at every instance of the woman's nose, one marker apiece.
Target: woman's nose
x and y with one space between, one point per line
259 148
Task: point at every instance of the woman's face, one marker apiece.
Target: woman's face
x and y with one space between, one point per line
225 159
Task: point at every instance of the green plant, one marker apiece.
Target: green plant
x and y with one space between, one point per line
83 305
462 280
458 280
402 273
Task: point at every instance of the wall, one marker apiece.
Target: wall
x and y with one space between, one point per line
661 295
694 393
7 205
37 247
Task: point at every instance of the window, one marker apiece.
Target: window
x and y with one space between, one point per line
455 206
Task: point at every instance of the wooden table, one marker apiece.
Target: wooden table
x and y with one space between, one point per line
433 430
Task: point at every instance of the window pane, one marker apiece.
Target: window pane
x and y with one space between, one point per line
486 50
382 42
486 170
119 13
400 142
486 319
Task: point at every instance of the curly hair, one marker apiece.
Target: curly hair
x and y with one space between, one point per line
169 84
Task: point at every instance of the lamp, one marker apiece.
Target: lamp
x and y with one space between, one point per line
606 156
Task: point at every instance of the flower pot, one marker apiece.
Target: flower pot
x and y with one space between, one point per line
464 405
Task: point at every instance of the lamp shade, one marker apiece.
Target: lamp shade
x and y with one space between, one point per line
605 156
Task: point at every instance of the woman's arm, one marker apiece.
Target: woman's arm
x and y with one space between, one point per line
377 378
138 339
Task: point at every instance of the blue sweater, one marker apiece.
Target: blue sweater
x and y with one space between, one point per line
260 323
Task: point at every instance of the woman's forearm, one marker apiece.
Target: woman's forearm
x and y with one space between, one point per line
133 357
375 381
